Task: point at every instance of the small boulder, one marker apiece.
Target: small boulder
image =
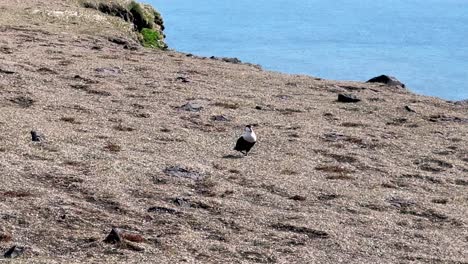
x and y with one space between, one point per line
36 136
388 80
348 98
191 107
118 40
14 252
409 109
183 79
114 236
221 118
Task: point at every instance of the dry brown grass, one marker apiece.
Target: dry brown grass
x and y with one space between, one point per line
326 182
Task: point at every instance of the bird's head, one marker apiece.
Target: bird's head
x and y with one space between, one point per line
248 128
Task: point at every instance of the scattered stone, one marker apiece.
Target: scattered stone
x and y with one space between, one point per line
231 60
131 47
183 202
178 171
429 214
311 233
388 80
6 71
348 98
284 97
109 71
23 101
327 197
439 200
114 236
117 235
46 70
86 80
258 107
160 209
400 202
14 252
298 198
221 118
191 107
398 121
334 136
227 59
432 165
189 55
6 50
409 109
36 136
461 182
118 40
444 118
183 79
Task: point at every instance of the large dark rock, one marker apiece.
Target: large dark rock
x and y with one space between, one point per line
348 98
388 80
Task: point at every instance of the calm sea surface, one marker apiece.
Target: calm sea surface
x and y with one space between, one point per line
424 43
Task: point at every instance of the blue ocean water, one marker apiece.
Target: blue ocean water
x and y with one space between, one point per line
424 43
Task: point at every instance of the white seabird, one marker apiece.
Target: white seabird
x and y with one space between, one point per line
246 141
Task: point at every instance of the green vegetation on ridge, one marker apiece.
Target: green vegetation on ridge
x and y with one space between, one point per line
146 20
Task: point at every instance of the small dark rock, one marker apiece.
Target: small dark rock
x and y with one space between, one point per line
46 70
189 55
348 98
231 60
400 202
14 252
298 198
23 101
191 107
409 109
114 236
177 171
96 48
311 233
183 202
258 107
131 47
327 197
183 79
159 209
221 118
117 40
388 80
109 71
35 136
6 71
444 118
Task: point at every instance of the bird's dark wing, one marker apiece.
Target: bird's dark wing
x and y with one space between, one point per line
240 144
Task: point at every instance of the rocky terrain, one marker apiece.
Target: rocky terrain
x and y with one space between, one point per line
140 140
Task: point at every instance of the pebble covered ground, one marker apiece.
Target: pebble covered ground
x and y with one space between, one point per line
133 159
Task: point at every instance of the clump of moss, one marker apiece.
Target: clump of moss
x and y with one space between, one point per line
152 39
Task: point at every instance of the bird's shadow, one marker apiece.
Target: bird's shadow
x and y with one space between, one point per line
230 156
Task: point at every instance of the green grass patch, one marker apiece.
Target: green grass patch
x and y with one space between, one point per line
151 38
